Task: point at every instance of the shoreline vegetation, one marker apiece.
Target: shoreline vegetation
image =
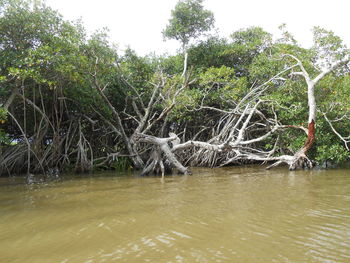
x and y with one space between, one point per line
72 102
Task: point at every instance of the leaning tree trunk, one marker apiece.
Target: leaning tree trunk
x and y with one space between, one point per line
300 158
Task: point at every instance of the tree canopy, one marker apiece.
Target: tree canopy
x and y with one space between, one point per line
189 20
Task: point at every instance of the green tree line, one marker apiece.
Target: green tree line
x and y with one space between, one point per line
69 101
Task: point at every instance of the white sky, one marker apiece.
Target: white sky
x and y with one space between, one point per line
139 23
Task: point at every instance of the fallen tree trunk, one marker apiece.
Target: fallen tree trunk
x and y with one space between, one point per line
163 144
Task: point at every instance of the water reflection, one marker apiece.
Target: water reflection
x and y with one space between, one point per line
242 214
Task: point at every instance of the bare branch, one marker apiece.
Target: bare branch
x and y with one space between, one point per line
333 67
304 73
346 140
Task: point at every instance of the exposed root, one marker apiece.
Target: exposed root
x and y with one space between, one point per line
155 164
301 162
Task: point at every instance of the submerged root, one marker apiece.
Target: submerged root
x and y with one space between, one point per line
301 162
156 165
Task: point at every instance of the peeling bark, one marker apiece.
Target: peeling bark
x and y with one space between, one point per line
310 137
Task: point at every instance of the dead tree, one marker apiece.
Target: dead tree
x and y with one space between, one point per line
232 141
241 129
146 117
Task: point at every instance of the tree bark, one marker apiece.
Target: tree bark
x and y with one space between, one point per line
310 137
185 61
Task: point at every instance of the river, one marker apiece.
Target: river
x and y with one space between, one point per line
235 214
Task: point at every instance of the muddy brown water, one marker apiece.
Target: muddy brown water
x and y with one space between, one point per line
243 214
